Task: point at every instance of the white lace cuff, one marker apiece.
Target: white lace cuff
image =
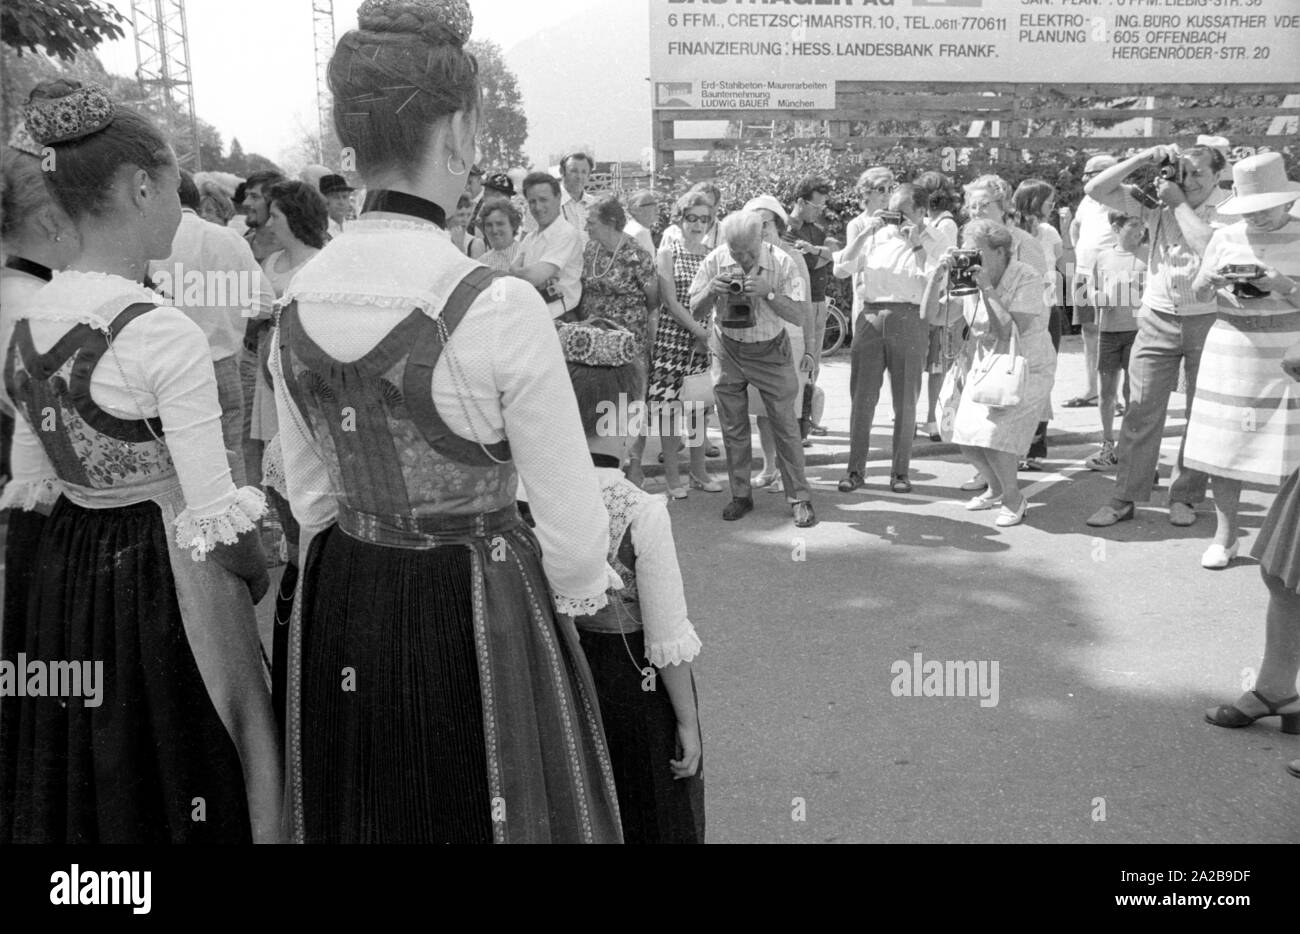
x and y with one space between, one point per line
273 468
580 606
201 534
28 494
682 649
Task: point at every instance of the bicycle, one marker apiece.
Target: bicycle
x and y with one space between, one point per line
837 328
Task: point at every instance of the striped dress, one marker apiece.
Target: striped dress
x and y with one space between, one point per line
675 355
1245 421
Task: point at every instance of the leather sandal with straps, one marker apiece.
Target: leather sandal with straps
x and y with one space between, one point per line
1232 716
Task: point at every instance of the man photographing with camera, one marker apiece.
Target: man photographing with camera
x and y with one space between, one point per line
1178 208
754 289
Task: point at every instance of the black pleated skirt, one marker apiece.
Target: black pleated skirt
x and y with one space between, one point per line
153 763
22 538
392 718
1278 545
641 731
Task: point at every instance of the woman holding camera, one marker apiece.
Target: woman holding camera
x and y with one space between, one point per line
1010 296
1243 426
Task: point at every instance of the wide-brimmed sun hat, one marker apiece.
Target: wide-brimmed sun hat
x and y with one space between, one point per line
1259 183
1100 163
767 203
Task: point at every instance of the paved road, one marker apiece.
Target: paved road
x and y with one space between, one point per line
1109 643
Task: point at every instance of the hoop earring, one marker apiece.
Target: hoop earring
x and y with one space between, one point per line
463 166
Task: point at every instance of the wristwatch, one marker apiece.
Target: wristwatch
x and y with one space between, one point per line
771 295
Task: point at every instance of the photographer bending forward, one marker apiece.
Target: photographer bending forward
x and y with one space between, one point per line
754 288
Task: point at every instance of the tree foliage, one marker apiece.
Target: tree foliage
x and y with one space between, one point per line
59 28
503 127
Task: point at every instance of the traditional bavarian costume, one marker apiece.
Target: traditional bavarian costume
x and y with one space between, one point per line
471 715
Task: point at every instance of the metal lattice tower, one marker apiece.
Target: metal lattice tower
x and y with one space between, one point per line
322 16
162 54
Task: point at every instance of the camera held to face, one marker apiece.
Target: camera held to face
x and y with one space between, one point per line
961 277
738 308
1169 170
891 217
1241 275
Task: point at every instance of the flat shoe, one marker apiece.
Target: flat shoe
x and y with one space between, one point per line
1181 514
1080 402
708 486
804 517
978 503
679 492
1293 768
1009 517
763 479
713 451
817 430
1109 515
974 485
737 508
1216 556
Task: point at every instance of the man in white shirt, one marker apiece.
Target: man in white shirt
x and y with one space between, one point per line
474 188
643 214
550 258
575 169
1091 233
1172 322
754 290
212 277
889 258
338 202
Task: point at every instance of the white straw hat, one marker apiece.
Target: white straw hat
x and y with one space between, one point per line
1259 183
767 203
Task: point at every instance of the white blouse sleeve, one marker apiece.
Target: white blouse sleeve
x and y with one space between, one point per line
549 449
178 373
34 482
669 636
310 490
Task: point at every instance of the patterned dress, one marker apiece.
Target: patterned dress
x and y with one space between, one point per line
675 355
613 285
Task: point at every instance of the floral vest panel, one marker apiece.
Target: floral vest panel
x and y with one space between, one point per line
389 453
623 611
88 447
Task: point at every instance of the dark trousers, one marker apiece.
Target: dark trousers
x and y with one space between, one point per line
887 336
768 366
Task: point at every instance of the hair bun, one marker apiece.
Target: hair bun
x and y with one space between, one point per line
61 111
443 21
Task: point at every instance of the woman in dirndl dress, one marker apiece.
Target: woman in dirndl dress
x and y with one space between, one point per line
435 693
1244 425
149 566
681 345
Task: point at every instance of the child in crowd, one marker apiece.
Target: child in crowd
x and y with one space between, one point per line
641 645
1118 277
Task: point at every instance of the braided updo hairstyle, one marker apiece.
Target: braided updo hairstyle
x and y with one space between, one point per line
399 73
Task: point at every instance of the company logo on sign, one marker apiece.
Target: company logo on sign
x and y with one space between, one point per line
675 94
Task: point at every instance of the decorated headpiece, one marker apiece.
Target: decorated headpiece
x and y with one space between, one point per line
597 346
62 111
432 19
21 140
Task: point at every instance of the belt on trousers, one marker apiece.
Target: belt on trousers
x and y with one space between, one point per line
891 306
425 532
1286 321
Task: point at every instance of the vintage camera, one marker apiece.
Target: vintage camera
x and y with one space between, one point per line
891 217
738 308
1241 275
1169 170
961 279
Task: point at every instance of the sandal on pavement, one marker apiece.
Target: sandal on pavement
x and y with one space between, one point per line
1080 402
851 482
901 485
763 479
1233 717
708 486
1109 515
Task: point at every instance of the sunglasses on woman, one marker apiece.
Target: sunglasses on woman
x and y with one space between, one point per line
697 218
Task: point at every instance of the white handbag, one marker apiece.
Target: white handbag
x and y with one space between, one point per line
998 379
697 388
